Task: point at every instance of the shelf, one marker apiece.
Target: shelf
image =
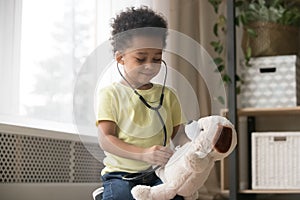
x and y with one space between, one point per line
256 191
268 111
269 191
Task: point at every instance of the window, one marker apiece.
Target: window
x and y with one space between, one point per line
56 37
44 46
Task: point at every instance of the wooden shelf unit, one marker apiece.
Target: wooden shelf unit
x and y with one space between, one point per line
268 111
269 191
251 114
232 173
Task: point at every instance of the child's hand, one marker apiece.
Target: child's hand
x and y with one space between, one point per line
157 155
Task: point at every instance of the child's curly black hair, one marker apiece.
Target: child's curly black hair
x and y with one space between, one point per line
134 19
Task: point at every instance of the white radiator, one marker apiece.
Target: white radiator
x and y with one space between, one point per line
39 166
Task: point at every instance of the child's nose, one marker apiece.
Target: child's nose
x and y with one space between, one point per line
148 66
151 65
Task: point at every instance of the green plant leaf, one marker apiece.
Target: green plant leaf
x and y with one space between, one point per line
237 21
239 3
221 68
216 30
237 78
215 4
248 52
238 89
278 11
218 60
219 49
251 32
222 20
226 78
243 19
215 44
212 43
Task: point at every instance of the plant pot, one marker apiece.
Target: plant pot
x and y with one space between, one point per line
272 39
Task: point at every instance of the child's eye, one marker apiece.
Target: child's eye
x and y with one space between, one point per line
156 60
140 60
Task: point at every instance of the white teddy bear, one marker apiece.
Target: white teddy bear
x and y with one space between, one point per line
212 138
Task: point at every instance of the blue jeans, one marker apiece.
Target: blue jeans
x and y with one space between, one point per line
115 188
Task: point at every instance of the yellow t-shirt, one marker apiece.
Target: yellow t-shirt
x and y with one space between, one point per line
137 124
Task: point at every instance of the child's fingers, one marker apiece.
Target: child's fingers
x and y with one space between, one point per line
163 155
158 155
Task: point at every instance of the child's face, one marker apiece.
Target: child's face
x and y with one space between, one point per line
142 64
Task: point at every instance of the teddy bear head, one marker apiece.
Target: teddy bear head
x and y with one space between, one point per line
213 135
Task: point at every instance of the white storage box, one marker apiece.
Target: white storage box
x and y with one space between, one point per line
276 160
272 81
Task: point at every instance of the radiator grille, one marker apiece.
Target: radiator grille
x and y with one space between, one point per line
85 168
31 159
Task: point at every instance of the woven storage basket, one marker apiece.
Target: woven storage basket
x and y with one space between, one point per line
275 160
272 39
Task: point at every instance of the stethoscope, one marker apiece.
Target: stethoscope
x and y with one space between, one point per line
140 175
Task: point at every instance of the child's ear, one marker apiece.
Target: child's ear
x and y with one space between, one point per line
119 57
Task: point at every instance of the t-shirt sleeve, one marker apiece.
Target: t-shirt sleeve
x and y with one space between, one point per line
106 106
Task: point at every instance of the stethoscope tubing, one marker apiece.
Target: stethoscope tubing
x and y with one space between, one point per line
140 175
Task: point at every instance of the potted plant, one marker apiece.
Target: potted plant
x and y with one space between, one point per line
270 27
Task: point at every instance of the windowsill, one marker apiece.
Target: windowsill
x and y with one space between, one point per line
41 128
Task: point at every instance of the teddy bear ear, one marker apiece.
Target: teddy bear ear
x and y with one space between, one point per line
192 130
224 139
